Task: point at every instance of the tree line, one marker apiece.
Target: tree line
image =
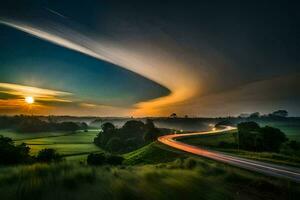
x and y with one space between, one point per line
22 123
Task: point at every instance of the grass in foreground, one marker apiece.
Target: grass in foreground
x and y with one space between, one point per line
181 179
168 174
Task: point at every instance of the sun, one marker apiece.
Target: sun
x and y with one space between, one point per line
29 100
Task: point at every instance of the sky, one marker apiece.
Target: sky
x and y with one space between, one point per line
149 58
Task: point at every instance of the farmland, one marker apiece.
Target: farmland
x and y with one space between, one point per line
67 144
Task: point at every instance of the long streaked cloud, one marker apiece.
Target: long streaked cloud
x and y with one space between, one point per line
43 97
160 67
49 101
18 89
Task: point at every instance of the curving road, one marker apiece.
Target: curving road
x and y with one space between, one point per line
274 170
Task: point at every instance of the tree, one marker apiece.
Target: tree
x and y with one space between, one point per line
131 144
114 144
13 154
84 126
173 115
272 138
149 124
48 155
254 115
69 126
151 133
133 129
96 159
32 124
248 136
248 126
279 113
108 130
252 137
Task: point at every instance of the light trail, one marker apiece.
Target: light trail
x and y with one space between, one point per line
269 169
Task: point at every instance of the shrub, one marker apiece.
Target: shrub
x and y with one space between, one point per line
114 160
189 163
96 159
48 155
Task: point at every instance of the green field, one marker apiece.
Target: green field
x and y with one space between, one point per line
22 136
152 154
71 145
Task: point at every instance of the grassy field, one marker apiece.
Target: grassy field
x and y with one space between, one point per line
211 140
152 154
74 146
167 175
23 136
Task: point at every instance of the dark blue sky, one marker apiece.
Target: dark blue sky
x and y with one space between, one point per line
206 58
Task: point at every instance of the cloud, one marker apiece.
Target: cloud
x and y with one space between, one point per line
264 96
50 102
160 67
12 98
24 90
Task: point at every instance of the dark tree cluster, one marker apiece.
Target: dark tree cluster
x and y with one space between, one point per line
132 135
35 124
279 114
291 148
13 154
255 138
48 155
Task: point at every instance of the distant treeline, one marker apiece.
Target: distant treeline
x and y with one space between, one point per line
188 123
21 123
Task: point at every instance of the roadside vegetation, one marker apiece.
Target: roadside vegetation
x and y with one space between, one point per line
253 142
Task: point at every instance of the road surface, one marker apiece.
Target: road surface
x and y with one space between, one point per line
274 170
